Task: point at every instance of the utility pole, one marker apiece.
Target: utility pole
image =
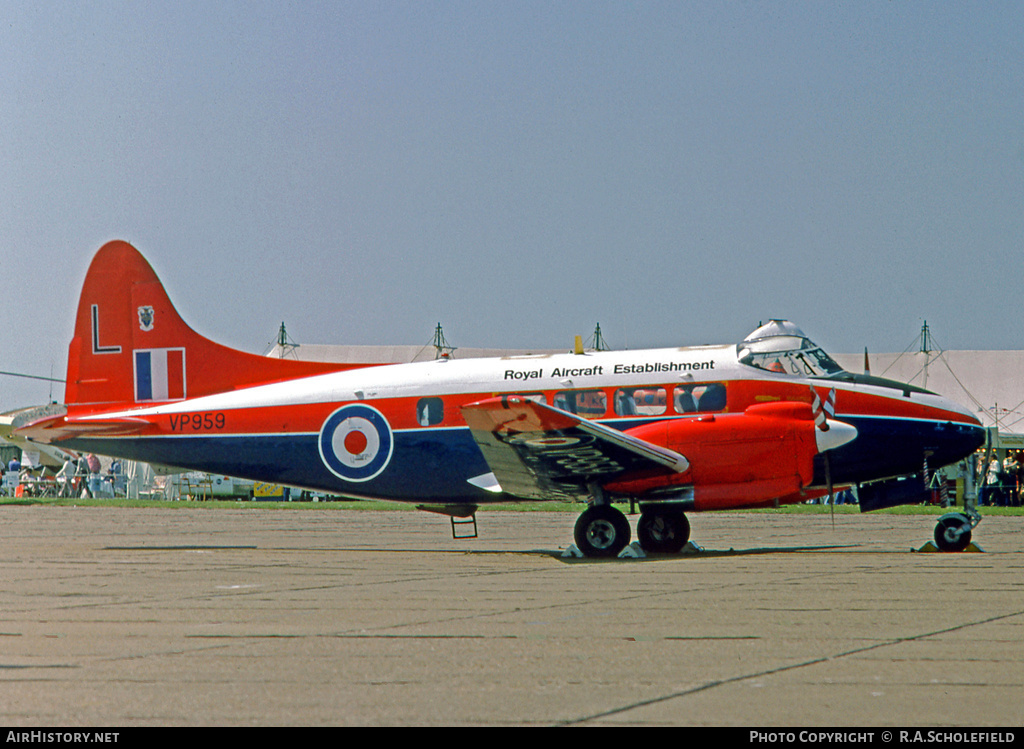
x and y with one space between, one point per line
926 349
441 348
598 342
285 345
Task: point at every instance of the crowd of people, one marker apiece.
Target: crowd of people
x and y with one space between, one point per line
1003 480
83 477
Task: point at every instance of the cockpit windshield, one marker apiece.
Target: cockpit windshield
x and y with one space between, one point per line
780 346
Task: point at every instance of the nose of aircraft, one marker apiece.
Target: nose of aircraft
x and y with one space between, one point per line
895 440
956 438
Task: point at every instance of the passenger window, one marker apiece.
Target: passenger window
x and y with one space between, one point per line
429 411
589 404
702 398
535 397
684 401
648 401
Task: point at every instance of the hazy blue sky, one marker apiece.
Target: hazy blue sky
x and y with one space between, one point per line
517 171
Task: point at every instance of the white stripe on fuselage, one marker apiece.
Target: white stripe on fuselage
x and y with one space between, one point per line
508 374
514 374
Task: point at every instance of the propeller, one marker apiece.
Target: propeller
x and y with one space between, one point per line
931 481
822 411
831 494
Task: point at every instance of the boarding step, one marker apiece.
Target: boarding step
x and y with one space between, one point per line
464 527
463 518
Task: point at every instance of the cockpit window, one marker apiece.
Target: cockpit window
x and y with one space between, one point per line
782 347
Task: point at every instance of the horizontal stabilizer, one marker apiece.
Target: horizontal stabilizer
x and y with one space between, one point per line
56 428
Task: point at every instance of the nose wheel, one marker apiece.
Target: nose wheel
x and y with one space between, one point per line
953 532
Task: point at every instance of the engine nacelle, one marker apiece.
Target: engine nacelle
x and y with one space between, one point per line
736 460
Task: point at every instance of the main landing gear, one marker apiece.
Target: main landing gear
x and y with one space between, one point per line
603 531
662 530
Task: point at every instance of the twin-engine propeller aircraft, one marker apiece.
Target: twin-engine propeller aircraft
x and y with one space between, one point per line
769 421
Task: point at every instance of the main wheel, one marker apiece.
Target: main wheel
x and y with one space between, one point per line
665 531
601 531
953 532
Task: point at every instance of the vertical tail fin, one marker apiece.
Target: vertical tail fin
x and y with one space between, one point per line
132 347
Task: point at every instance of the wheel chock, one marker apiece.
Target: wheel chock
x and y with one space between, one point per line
931 547
633 551
572 553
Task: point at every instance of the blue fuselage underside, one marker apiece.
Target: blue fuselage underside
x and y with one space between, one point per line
434 465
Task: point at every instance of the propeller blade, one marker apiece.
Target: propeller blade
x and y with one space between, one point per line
823 411
831 493
831 433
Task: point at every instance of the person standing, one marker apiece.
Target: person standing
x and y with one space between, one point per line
94 475
66 478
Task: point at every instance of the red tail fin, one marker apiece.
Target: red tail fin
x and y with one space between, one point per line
131 346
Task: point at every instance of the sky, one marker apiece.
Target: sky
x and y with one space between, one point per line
518 171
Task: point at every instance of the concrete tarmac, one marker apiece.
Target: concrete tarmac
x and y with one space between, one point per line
189 616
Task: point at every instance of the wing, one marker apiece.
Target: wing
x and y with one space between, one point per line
539 452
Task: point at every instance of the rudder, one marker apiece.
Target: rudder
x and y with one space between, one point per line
132 347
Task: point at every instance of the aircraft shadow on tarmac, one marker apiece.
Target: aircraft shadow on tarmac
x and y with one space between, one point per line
561 555
693 554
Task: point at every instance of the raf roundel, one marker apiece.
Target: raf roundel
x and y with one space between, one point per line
356 442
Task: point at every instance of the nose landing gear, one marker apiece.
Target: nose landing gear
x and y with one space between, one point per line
953 531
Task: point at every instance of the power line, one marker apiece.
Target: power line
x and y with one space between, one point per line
31 377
